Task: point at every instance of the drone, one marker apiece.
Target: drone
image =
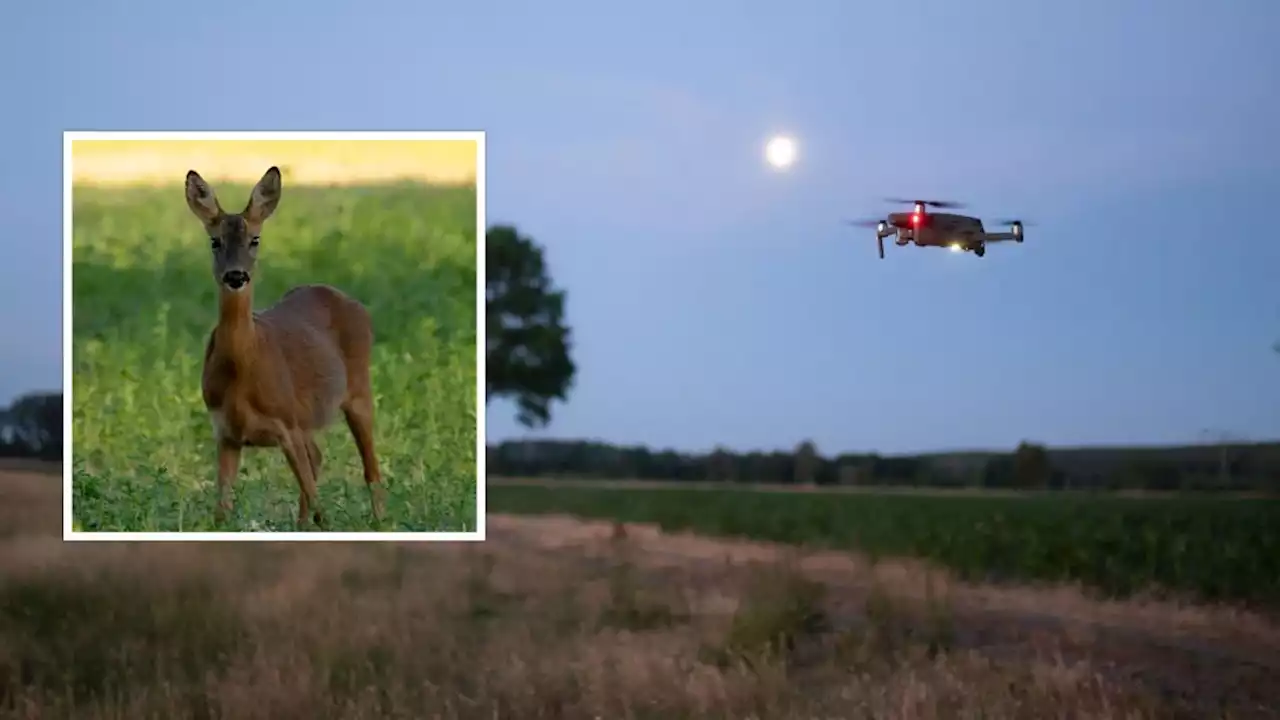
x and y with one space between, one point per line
960 233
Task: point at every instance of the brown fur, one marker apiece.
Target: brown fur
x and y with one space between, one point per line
274 378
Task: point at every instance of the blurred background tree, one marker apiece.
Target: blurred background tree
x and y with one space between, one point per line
806 467
721 465
1031 466
32 427
528 341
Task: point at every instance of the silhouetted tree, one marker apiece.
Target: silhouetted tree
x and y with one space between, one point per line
1031 467
755 467
806 463
998 472
896 470
721 466
528 341
849 474
1149 474
32 426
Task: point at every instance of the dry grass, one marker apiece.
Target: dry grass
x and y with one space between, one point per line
510 629
912 580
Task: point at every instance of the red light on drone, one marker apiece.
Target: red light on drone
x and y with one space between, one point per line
915 219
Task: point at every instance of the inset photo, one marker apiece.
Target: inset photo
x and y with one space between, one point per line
274 335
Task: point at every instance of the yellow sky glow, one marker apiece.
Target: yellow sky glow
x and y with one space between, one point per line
303 162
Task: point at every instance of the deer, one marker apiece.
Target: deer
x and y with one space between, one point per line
275 378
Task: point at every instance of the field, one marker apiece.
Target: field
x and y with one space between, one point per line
560 618
144 303
1211 548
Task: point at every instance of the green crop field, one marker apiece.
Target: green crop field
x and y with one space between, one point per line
1210 548
144 302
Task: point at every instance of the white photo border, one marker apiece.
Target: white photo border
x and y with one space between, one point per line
70 534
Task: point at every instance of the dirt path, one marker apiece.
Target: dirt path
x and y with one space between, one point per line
1217 656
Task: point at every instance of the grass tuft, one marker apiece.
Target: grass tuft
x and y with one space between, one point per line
85 634
779 611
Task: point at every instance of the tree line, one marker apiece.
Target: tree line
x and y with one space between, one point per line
1029 466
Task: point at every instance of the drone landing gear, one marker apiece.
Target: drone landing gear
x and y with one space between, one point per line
980 250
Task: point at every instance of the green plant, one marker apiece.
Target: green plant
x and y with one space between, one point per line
781 609
1217 548
86 634
144 306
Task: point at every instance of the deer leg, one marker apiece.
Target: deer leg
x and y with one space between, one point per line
316 460
294 446
359 413
228 466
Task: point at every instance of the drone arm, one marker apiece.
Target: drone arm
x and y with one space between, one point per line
998 237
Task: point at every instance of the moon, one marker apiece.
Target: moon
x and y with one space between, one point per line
780 151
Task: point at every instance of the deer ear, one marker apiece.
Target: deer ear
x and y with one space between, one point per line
200 198
265 196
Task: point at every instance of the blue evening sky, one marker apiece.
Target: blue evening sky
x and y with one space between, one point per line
714 301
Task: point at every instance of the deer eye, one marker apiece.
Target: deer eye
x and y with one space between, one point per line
216 243
253 241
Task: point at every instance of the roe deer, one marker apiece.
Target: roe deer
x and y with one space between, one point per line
274 378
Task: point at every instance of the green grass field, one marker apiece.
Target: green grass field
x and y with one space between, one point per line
144 302
1211 548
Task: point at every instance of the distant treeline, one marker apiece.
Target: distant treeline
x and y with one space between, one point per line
32 427
1029 466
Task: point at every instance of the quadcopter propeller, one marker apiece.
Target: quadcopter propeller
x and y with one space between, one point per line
1024 223
864 223
930 203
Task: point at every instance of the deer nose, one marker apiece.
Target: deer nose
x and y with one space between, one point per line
235 279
